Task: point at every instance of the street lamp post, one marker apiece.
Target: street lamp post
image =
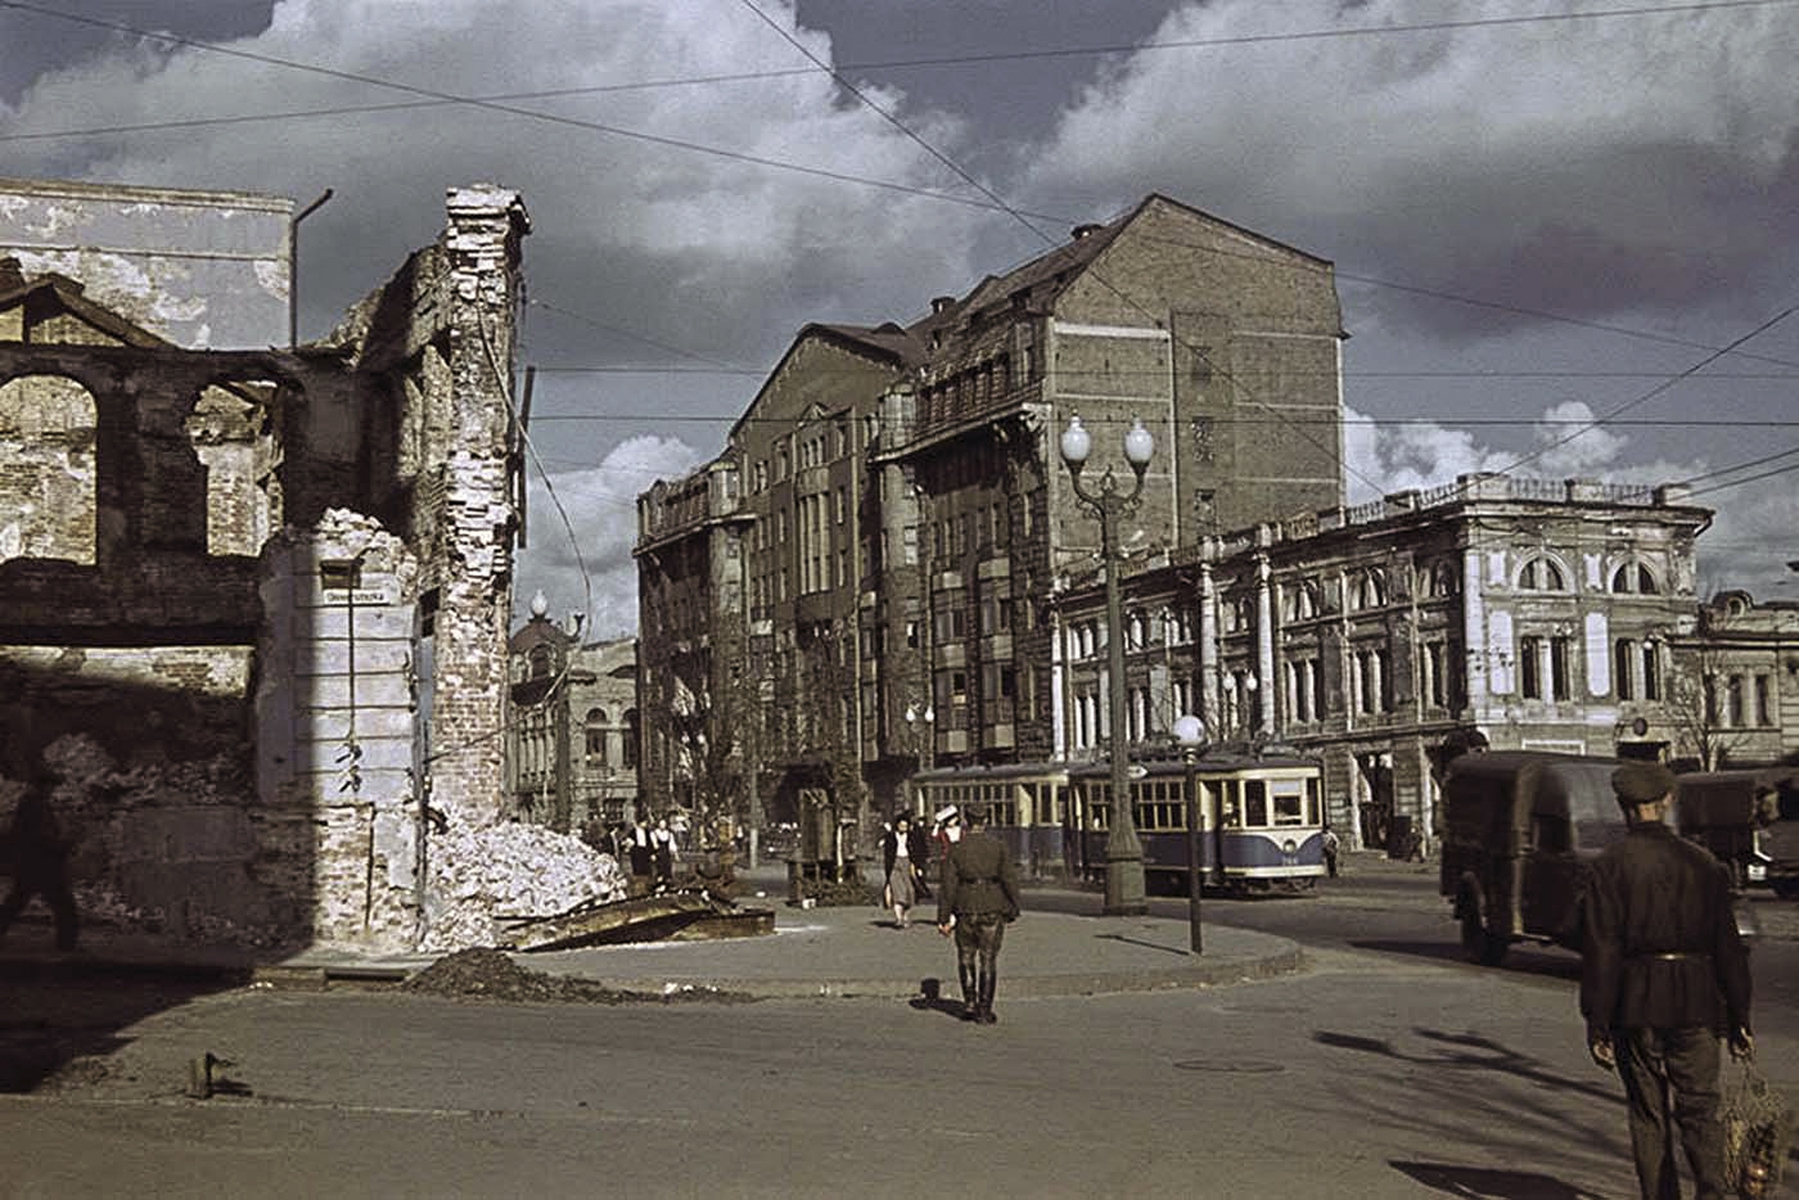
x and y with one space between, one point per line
1125 894
1190 731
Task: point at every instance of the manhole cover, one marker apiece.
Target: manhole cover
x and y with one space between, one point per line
1227 1067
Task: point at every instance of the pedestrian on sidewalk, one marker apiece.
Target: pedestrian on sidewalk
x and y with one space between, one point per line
1664 975
977 897
39 857
1332 847
643 858
903 853
662 842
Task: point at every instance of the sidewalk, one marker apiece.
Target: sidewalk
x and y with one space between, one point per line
839 951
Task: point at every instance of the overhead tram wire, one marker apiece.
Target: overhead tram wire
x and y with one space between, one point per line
994 203
953 60
1653 392
1217 368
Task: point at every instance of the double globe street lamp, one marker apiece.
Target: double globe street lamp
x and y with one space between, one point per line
1125 894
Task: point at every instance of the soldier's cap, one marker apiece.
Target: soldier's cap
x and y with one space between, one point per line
1641 783
975 814
947 812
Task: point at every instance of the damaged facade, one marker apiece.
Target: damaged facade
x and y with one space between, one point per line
253 601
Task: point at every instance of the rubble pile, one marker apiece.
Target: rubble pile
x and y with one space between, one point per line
481 876
483 974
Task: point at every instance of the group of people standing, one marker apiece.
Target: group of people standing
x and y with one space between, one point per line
649 850
977 893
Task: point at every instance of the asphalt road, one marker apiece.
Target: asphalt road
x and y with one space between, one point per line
1387 1068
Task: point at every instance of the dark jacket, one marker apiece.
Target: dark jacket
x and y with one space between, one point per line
918 849
978 880
1660 944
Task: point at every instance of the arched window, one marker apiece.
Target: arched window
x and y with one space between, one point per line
47 456
596 735
1368 589
540 662
1542 574
1634 577
1439 579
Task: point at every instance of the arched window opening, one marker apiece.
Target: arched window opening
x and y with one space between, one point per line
540 662
228 429
48 426
1634 577
1542 574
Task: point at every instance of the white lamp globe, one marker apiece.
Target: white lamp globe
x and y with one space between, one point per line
1189 730
1077 443
1139 444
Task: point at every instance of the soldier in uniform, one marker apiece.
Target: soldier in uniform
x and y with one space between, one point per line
976 898
1665 974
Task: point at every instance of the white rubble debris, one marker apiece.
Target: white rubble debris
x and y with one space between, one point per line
482 877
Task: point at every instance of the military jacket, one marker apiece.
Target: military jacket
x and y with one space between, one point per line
978 880
1660 945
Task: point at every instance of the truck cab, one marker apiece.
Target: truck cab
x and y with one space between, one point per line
1518 830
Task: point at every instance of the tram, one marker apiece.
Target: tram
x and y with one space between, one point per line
1055 817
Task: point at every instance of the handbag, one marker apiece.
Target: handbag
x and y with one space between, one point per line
1758 1130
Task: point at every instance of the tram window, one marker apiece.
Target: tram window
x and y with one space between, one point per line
1312 810
1289 808
1233 813
1255 803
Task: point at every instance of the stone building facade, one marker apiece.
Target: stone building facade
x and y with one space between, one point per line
253 601
1735 699
573 731
861 571
1544 615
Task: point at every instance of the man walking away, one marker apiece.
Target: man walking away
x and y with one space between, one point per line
1664 975
976 897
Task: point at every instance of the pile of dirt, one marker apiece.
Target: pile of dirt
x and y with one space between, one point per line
482 973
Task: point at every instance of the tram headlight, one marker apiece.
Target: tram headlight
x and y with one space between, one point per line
1289 847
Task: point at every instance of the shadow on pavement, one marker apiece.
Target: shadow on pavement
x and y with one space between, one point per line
930 998
1486 1183
56 1013
1521 961
1465 1051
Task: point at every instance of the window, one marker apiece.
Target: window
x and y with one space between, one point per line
1541 574
631 734
1634 577
1764 701
1530 667
1652 672
1558 669
1289 805
1624 664
596 735
1255 803
540 662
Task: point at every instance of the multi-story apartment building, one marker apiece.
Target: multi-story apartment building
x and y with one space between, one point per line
856 585
572 736
1544 615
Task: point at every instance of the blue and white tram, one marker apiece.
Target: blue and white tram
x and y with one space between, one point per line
1261 819
1027 806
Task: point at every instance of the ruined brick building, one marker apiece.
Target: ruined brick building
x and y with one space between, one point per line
253 600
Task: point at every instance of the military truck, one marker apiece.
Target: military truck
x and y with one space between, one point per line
1518 828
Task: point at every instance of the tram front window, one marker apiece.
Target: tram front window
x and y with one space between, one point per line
1255 803
1289 808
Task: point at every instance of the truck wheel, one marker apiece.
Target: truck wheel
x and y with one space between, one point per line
1481 946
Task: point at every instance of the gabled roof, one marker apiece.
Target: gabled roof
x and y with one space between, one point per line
886 342
68 294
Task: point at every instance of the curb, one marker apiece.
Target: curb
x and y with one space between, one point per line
1286 960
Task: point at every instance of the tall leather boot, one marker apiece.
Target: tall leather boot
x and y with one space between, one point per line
971 991
989 979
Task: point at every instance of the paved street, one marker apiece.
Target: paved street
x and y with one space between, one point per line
1370 1073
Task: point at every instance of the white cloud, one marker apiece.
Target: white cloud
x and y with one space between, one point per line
585 564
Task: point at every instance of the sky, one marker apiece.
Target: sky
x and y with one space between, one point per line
1566 232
